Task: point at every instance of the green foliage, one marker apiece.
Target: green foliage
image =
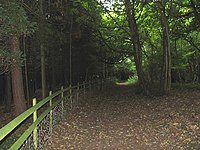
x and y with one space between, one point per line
180 66
13 19
7 59
113 35
128 65
132 80
188 54
183 30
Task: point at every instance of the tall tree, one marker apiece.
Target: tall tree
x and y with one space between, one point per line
166 67
14 23
42 51
8 93
17 78
137 47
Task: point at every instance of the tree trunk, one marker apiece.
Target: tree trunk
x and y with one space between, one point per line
17 79
137 48
42 52
199 69
26 73
70 53
103 70
8 93
43 69
53 70
166 69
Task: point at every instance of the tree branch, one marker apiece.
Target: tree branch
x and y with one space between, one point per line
191 42
112 17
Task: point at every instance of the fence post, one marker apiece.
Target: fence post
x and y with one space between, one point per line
70 93
51 113
35 130
62 100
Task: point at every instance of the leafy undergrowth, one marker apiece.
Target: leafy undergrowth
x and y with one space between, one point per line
117 119
190 86
131 81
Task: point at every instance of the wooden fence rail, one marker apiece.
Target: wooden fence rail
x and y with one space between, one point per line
57 104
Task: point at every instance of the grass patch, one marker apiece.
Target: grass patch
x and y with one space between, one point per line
131 80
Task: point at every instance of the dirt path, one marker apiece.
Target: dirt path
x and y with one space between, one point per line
117 119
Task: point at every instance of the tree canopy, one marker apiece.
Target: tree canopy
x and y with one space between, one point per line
65 42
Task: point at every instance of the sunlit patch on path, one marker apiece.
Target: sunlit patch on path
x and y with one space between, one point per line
117 119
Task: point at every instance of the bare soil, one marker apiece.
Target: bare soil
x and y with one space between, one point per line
117 119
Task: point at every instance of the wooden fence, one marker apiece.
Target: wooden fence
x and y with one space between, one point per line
45 115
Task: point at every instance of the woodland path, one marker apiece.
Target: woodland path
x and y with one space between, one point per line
117 119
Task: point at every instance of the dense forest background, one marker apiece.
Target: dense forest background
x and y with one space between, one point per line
48 43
